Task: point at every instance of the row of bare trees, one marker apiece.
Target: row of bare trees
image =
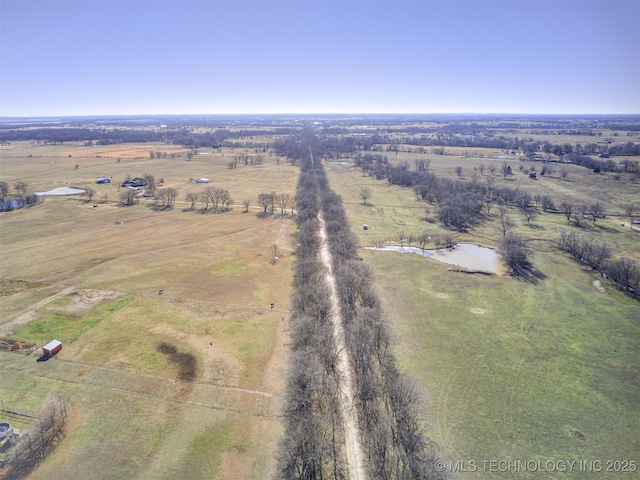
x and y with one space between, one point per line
624 272
312 446
39 440
388 403
219 199
272 200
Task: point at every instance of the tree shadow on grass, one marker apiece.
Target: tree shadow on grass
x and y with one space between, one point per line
161 208
527 273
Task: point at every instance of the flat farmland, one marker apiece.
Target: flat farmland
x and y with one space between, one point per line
392 209
114 283
511 370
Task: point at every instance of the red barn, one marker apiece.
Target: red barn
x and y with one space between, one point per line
51 348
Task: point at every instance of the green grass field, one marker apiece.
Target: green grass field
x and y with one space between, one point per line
132 417
511 370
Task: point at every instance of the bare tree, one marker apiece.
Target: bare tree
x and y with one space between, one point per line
458 171
423 239
564 173
283 201
490 181
21 188
505 169
546 202
629 210
40 439
206 196
193 198
529 213
481 168
410 238
505 224
365 193
172 193
273 198
577 215
246 204
492 169
264 199
4 191
128 196
515 254
274 253
567 208
89 192
151 184
596 211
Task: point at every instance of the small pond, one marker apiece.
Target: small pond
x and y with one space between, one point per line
464 255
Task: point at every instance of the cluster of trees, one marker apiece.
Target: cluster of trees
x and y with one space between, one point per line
129 196
388 403
577 214
516 255
219 199
39 440
165 195
20 197
461 204
625 272
272 200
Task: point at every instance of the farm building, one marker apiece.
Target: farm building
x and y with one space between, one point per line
136 182
62 191
51 348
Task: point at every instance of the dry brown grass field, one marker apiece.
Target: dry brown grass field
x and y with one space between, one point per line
136 413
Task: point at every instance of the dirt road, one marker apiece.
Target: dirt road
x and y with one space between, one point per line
353 451
29 315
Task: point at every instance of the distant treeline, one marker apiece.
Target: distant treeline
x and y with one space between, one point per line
102 136
336 145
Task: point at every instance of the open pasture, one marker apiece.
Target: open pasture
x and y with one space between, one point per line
203 283
511 370
392 209
51 167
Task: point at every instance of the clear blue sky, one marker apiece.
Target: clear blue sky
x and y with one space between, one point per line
112 57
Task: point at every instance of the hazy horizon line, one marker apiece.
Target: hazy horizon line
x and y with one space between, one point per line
307 114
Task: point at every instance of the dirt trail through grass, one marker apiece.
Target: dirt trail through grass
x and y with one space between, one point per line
352 437
29 314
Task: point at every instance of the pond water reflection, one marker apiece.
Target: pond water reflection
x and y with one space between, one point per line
464 255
